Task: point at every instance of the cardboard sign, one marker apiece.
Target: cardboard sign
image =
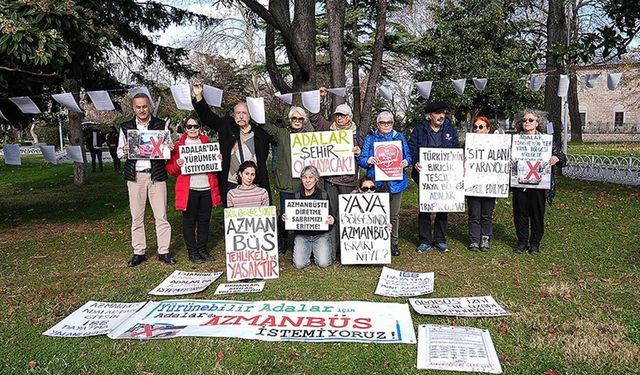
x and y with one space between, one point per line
240 288
394 283
94 318
330 151
181 282
251 243
149 144
441 180
456 349
364 234
389 155
486 172
474 307
309 321
306 214
531 154
201 158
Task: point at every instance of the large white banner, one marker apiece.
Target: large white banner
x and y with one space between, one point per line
365 236
306 214
201 158
456 349
94 318
394 283
477 307
251 243
310 321
486 172
441 180
531 154
330 151
181 282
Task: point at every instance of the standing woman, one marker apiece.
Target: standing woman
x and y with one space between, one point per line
529 204
480 208
368 161
247 194
196 194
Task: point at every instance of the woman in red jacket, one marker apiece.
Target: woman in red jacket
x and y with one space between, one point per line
196 194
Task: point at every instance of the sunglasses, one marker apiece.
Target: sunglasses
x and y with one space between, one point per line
189 126
368 188
528 120
478 127
296 119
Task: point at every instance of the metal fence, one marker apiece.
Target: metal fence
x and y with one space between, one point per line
615 169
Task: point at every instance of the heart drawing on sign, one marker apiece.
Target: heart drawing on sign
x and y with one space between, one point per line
388 155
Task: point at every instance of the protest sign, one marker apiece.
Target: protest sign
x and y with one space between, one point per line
181 282
531 154
309 321
389 156
456 349
365 237
93 319
240 288
464 306
11 154
201 158
486 169
101 100
394 283
149 144
306 214
251 243
331 152
441 180
182 96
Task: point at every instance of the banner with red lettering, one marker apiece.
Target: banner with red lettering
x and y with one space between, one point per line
530 168
330 151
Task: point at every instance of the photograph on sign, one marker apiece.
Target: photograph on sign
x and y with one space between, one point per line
149 144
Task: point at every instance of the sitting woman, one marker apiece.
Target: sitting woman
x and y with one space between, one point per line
196 194
247 194
317 243
366 184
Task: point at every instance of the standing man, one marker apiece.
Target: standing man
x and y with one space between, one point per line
112 142
94 142
145 179
435 132
239 142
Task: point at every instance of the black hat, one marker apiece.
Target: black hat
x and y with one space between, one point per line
436 106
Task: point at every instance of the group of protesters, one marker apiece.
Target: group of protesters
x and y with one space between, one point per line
244 179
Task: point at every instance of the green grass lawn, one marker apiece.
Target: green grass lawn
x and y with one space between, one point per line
607 148
575 308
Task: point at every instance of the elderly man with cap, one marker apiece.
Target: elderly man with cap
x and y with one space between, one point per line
436 131
344 184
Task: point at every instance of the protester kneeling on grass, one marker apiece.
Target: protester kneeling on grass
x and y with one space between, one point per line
317 243
247 194
196 194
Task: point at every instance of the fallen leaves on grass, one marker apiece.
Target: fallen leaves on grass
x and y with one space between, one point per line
219 356
506 358
502 330
626 278
32 364
551 372
39 256
556 271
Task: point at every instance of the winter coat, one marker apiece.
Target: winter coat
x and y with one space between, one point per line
395 186
422 136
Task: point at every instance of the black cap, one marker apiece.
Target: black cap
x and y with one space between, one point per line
436 106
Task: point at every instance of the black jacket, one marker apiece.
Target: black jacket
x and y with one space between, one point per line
89 140
157 166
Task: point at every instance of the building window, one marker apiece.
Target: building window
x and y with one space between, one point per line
583 120
618 120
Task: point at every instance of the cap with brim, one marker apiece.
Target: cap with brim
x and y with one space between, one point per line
436 106
343 109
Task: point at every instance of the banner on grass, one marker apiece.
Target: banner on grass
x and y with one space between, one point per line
486 172
149 144
181 282
331 152
240 288
201 158
365 237
389 156
93 319
306 214
251 243
531 154
310 321
394 283
456 349
441 180
464 306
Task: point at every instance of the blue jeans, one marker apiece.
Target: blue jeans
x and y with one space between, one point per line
305 245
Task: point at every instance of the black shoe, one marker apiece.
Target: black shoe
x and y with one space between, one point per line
521 249
394 250
166 258
474 247
137 259
534 250
196 258
205 256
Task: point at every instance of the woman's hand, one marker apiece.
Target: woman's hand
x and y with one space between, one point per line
372 160
554 159
284 217
180 162
330 220
197 91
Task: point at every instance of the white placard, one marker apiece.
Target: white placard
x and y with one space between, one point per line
287 98
149 144
531 154
563 85
182 282
25 104
75 154
441 180
212 95
237 288
311 100
331 152
68 101
49 153
11 154
182 96
101 100
487 165
306 214
472 307
256 109
201 158
395 283
365 236
456 349
94 318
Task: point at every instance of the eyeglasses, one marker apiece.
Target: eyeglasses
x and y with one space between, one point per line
368 188
192 126
528 120
297 119
385 123
340 115
478 127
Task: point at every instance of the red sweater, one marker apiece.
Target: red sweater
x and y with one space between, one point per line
182 181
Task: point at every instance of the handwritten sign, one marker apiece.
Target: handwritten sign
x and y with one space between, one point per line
149 144
464 306
441 180
487 165
240 288
365 237
331 152
531 154
201 158
389 155
394 283
306 214
181 282
251 243
94 318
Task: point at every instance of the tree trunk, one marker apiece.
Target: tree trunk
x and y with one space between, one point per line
556 34
335 20
355 71
76 138
574 108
